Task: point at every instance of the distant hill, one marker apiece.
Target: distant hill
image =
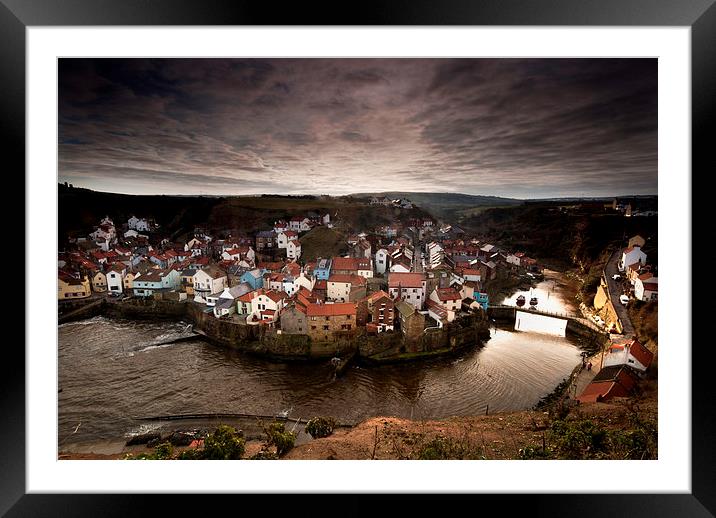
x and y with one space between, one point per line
447 206
81 209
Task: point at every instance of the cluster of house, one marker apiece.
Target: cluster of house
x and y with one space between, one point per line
402 203
636 269
382 284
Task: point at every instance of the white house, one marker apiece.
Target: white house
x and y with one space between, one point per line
140 224
338 287
233 254
471 274
285 236
280 226
400 267
435 252
115 279
628 352
365 268
305 282
104 232
225 303
300 224
410 287
261 306
293 249
631 255
207 282
381 260
289 285
450 300
646 287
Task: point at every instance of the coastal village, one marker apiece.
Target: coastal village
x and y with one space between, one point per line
393 279
406 280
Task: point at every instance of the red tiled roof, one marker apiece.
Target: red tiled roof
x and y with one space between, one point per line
354 280
405 280
651 286
645 276
328 310
247 297
272 266
621 386
344 263
320 285
275 295
445 294
436 308
377 295
641 353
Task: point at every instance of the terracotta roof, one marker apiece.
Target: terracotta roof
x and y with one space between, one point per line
344 263
651 286
355 280
275 295
641 353
405 280
247 297
436 308
290 233
377 295
445 294
646 276
320 285
612 381
327 310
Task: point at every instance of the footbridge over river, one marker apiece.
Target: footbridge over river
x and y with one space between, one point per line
574 323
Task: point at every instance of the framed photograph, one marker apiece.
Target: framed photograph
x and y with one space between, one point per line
361 125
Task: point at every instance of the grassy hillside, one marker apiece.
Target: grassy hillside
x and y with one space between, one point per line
449 207
323 242
542 230
80 209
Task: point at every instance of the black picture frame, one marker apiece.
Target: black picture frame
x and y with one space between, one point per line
699 15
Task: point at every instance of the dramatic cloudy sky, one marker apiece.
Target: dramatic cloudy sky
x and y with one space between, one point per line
523 128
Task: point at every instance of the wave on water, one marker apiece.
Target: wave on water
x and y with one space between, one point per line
94 320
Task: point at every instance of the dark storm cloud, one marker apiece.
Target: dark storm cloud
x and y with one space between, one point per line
509 127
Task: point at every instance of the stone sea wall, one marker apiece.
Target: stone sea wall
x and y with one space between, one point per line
267 342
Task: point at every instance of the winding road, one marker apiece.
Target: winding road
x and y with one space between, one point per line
615 290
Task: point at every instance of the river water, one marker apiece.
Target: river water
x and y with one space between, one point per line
111 373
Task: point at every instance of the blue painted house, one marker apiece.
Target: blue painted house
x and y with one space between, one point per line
323 269
482 299
154 281
254 278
